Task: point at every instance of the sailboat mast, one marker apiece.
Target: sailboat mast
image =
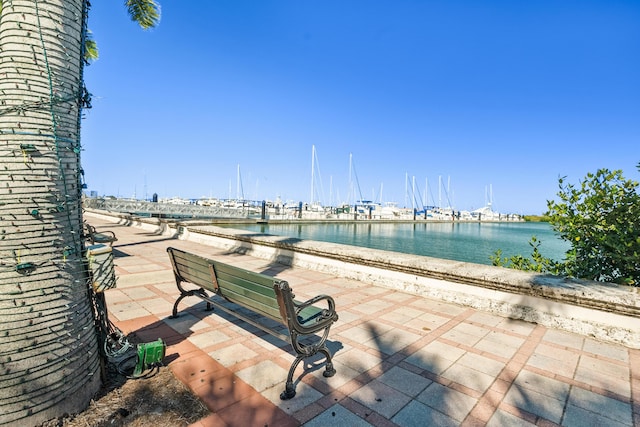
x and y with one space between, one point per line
351 190
413 192
406 188
426 189
330 190
313 156
491 195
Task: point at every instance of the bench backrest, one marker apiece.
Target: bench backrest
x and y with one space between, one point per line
192 268
248 289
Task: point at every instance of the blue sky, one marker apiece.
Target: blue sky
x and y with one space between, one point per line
477 95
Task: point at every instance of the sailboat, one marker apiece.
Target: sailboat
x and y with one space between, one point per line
486 212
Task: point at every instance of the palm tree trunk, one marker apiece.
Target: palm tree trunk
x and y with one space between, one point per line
49 360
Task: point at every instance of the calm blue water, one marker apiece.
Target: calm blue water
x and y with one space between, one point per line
470 242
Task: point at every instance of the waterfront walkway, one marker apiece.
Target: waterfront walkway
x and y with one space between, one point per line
401 360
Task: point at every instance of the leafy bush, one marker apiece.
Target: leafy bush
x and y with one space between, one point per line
537 262
600 218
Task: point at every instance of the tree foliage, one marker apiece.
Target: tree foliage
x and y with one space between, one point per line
600 218
145 12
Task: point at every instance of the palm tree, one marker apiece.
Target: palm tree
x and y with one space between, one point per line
49 358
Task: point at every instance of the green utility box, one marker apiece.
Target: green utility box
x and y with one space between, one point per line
149 355
99 259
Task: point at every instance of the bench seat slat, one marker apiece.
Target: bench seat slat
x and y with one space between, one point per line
309 313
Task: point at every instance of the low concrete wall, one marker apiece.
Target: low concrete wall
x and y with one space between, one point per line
603 311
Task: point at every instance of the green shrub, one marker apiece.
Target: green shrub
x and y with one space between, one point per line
600 218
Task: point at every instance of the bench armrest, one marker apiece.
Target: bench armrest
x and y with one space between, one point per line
290 311
95 236
107 233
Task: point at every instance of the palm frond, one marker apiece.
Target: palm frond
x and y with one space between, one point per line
145 12
90 48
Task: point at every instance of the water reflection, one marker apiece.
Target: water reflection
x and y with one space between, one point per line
461 241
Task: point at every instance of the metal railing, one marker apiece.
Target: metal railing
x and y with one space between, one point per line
170 210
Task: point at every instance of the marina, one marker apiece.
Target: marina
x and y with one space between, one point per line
360 210
433 232
418 204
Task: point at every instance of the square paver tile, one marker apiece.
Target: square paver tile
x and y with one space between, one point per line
517 326
209 338
229 356
343 375
578 417
402 380
600 407
469 377
186 323
360 333
449 310
461 337
563 338
264 375
346 317
485 318
371 307
128 311
537 403
357 360
400 297
550 387
140 292
448 401
419 414
392 341
555 366
435 357
603 374
610 351
381 398
116 296
337 416
500 350
481 363
502 418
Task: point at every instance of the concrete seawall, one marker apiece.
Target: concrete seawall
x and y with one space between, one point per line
604 311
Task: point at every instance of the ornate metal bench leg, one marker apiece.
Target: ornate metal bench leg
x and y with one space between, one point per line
290 389
329 369
288 392
189 293
174 314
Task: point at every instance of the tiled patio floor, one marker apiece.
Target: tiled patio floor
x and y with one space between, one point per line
401 360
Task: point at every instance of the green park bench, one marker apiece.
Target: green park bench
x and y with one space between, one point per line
306 325
95 237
